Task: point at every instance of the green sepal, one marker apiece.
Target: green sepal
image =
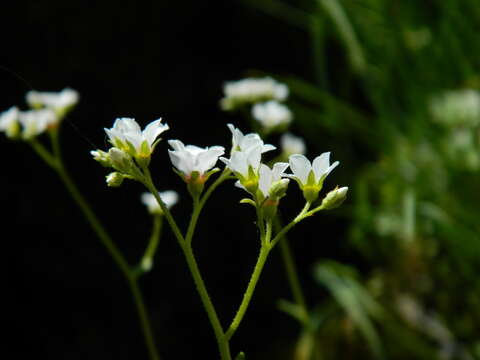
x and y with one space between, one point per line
144 149
179 173
311 179
195 184
310 193
269 208
248 201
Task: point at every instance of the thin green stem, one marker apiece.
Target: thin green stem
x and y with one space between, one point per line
185 244
55 161
222 340
291 271
147 258
148 182
302 215
44 154
247 296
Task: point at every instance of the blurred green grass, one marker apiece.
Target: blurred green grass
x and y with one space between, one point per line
377 67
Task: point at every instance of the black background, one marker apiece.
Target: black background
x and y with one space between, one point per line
65 298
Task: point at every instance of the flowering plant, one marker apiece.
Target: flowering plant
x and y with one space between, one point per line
130 154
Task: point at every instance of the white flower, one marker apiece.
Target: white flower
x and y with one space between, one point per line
310 176
272 114
127 135
57 101
190 158
252 90
291 144
303 169
169 197
35 122
245 163
457 107
9 122
270 180
242 142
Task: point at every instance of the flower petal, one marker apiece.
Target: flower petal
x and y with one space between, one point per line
300 166
320 165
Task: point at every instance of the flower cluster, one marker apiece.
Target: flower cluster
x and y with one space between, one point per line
47 111
131 151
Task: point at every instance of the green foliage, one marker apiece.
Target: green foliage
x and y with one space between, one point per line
382 75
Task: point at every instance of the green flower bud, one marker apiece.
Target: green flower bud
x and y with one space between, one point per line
334 198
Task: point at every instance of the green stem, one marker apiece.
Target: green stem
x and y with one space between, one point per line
148 182
222 340
247 296
185 244
55 161
147 258
302 215
292 273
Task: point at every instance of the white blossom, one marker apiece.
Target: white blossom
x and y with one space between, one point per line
190 158
270 179
242 142
303 170
57 101
127 135
35 122
272 114
252 90
291 144
169 197
244 163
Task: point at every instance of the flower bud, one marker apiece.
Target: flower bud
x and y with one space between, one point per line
334 198
102 157
114 179
120 160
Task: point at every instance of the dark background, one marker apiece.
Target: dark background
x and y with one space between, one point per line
65 297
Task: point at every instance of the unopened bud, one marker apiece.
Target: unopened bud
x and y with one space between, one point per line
335 198
114 179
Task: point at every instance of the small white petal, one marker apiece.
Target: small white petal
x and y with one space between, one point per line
265 179
320 165
279 169
300 166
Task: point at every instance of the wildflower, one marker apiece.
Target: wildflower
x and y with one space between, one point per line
291 144
169 197
242 142
272 115
272 187
127 136
9 122
252 90
310 176
60 102
245 165
35 122
270 179
457 107
194 164
334 198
